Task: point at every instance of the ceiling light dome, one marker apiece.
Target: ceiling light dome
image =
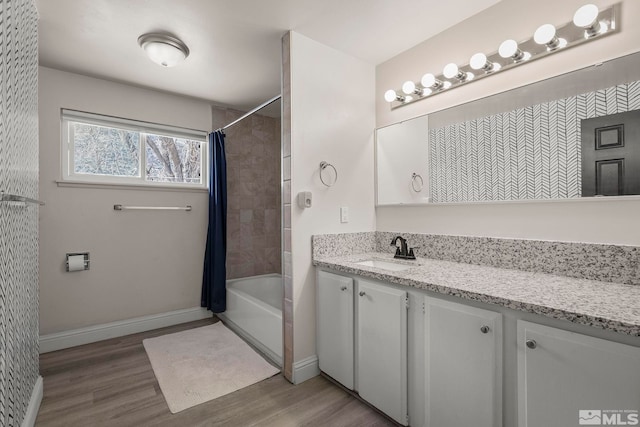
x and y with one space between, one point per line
163 49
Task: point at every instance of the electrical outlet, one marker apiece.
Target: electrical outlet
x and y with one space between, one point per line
344 214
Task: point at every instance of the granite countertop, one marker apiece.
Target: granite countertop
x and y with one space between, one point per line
610 306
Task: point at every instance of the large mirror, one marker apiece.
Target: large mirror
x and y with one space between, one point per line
571 136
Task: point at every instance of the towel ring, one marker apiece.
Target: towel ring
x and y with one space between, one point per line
414 179
323 166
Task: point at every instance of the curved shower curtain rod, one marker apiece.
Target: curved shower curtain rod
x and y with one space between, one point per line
258 108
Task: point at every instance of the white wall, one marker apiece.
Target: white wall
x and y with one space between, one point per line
332 119
579 221
598 222
142 263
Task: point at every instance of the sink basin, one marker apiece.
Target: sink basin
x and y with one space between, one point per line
385 265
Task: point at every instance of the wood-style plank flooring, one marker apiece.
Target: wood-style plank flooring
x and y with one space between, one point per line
111 383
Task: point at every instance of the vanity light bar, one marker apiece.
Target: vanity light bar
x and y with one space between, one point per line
588 24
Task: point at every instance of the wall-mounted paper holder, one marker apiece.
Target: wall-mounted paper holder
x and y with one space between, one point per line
77 261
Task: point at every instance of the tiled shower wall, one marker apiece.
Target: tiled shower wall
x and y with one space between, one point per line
253 191
528 153
19 364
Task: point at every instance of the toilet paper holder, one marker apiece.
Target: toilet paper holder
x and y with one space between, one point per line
86 260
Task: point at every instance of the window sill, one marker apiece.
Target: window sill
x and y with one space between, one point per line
110 186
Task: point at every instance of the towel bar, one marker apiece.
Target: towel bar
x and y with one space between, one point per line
151 208
4 197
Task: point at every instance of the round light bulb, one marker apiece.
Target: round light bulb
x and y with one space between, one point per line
446 85
586 16
508 48
478 61
544 34
450 70
409 87
428 80
390 95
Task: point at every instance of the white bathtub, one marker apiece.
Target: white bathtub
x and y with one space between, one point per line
254 311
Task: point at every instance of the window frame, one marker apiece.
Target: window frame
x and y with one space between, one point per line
143 128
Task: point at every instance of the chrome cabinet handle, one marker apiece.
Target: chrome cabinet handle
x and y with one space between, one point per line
532 344
485 329
361 293
343 288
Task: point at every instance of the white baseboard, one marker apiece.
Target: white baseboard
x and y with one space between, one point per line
75 337
29 419
305 369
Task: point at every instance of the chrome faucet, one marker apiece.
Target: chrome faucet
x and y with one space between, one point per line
402 251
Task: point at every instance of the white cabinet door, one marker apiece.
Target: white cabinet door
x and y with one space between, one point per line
567 379
463 350
382 348
335 327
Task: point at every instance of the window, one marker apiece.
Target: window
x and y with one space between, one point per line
103 149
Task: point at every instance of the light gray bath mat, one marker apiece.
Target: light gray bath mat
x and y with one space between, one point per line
200 364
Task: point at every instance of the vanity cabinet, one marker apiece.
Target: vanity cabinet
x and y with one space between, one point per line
463 365
566 378
335 327
362 339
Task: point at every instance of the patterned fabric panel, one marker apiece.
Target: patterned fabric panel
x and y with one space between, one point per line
528 153
18 223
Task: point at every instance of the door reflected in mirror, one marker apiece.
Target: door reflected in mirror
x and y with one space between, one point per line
611 155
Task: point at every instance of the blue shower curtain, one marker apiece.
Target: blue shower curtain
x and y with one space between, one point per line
214 292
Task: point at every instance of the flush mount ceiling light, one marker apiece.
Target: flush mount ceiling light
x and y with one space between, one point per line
163 49
588 24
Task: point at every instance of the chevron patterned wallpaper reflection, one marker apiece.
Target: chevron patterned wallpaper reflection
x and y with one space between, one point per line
18 223
528 153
